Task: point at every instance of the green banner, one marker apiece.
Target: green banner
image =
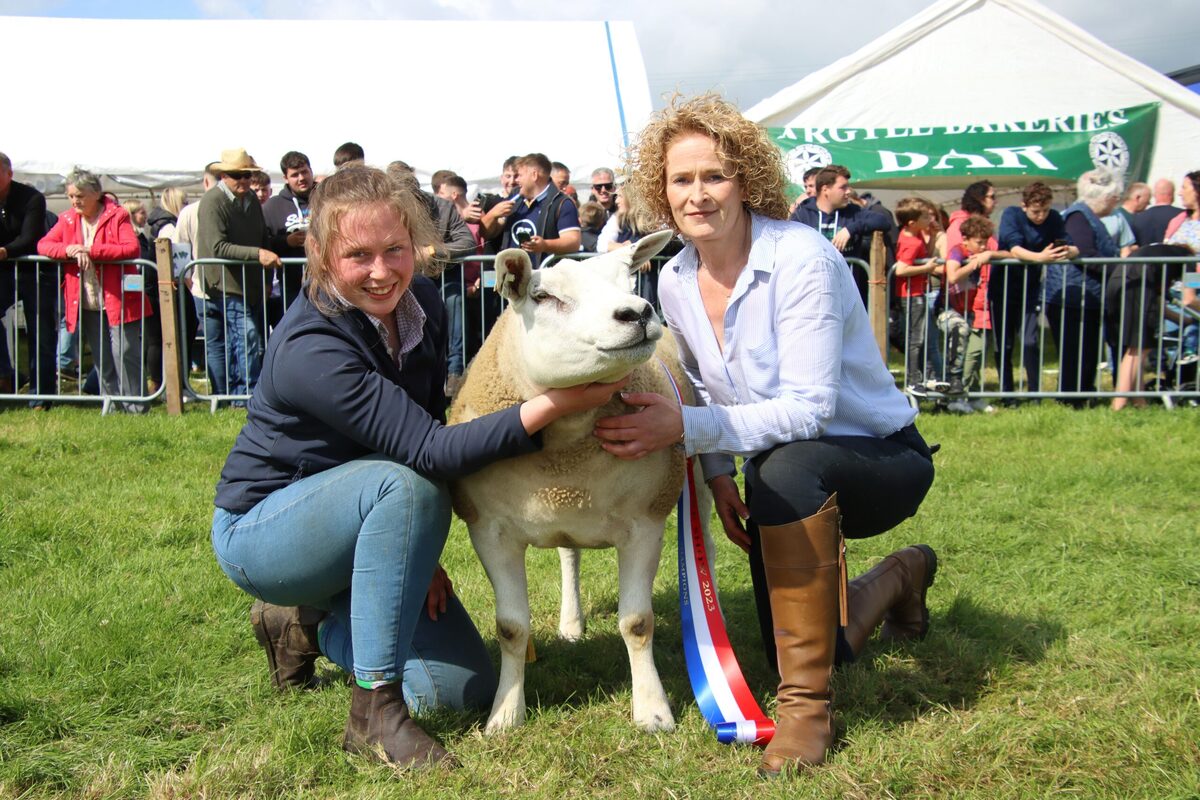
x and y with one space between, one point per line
1055 149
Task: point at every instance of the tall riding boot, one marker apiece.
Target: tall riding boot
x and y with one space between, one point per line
803 563
289 635
380 726
893 591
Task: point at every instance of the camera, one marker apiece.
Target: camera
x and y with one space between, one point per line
522 236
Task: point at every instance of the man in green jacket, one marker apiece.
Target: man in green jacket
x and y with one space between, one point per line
231 226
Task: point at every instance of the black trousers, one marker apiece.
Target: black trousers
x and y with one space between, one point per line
1077 335
879 484
36 286
1013 295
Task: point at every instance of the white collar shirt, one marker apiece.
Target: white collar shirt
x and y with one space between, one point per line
799 361
242 202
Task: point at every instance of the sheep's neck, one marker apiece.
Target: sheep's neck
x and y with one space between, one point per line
568 431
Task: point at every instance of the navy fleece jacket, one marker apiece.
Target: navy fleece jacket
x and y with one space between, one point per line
329 393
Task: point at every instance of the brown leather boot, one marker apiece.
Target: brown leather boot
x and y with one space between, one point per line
289 635
893 591
804 572
380 726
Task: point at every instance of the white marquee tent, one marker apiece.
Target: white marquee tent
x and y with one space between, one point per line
988 61
455 95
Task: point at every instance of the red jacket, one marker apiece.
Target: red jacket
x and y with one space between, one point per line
115 240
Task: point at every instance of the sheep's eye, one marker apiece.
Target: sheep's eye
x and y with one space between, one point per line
540 296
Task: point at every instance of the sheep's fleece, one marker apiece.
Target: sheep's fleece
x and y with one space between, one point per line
570 323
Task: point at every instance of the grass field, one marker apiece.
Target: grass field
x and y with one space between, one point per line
1063 658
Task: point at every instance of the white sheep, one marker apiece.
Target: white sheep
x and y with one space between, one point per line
572 323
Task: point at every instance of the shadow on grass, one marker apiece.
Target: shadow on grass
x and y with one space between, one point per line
967 647
968 644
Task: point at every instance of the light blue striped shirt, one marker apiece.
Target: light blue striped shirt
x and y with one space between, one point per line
800 360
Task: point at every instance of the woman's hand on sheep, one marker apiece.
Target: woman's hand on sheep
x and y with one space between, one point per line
440 590
540 411
656 425
731 510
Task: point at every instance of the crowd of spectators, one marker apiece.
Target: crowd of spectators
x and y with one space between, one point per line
1014 284
948 297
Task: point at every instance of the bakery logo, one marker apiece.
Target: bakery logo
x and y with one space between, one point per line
803 158
1109 151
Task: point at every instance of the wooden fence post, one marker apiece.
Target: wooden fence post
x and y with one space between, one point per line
172 381
877 293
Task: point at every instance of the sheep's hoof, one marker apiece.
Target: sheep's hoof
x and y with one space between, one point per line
655 723
503 721
570 631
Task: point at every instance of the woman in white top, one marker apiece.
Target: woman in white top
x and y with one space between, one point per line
773 334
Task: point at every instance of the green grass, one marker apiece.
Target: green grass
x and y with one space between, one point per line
1063 657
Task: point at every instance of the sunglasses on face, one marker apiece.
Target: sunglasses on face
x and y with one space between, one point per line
239 176
602 187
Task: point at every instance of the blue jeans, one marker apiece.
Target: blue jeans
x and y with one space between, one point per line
233 343
68 347
934 365
361 541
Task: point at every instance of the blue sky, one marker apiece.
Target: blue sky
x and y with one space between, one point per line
166 9
766 46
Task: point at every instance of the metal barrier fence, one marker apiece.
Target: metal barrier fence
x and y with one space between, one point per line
221 372
1043 345
1076 331
114 312
226 311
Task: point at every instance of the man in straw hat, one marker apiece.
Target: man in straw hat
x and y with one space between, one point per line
231 227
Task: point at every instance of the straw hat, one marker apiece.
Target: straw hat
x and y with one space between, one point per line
236 160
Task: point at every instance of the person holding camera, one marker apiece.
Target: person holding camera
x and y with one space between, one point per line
1034 233
540 219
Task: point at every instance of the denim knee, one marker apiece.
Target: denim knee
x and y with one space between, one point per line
448 665
423 496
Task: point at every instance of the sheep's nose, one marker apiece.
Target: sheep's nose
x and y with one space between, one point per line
639 314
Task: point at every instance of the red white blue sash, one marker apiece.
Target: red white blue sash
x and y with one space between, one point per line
717 682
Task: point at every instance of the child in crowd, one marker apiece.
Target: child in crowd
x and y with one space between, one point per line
915 221
964 263
260 184
592 217
935 247
981 329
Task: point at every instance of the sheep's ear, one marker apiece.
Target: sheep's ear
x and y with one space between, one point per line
647 247
513 271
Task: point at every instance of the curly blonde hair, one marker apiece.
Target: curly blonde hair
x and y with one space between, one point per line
357 186
757 163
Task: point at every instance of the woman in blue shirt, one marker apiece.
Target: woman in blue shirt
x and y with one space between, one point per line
774 337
